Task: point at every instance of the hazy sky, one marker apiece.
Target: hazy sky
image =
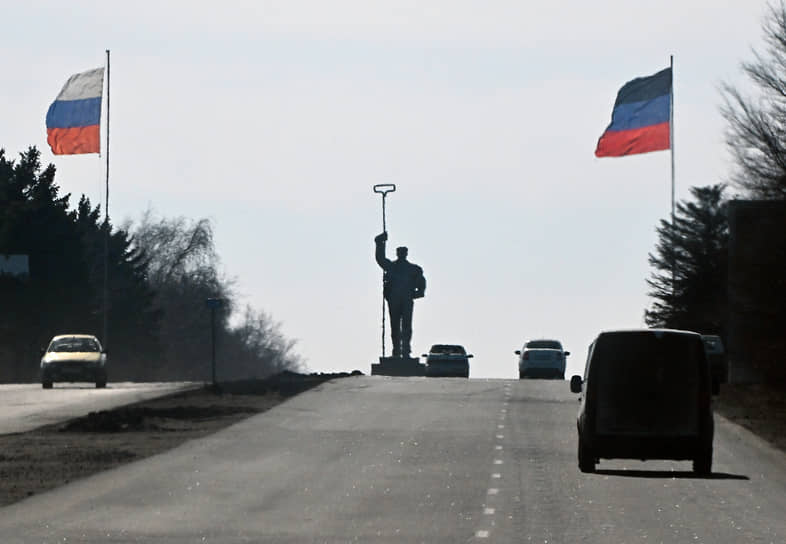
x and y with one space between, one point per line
275 118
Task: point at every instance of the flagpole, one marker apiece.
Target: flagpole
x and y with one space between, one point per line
105 338
671 135
671 148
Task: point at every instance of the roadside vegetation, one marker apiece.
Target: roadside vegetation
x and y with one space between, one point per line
688 282
160 273
690 285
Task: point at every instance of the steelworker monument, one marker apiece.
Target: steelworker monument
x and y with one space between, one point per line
403 282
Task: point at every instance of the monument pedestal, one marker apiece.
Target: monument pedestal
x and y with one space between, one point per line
398 366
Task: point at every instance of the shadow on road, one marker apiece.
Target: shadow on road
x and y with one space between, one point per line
679 474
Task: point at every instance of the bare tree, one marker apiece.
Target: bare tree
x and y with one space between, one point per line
176 247
183 271
756 133
258 348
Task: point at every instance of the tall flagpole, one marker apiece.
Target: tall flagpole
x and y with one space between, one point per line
105 338
671 135
671 147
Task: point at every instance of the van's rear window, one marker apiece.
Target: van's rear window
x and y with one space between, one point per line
647 382
646 357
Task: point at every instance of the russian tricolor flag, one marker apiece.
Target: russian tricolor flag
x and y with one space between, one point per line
73 119
641 118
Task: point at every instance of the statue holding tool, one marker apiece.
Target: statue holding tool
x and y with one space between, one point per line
403 282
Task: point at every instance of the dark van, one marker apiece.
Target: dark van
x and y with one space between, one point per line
646 395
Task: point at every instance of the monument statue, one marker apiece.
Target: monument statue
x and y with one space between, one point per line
403 283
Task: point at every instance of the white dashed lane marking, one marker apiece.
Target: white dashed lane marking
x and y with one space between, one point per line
494 492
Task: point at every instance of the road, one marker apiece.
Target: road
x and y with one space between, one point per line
26 406
375 459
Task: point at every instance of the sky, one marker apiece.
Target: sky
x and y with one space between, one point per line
274 119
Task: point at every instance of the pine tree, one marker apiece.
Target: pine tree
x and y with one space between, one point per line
688 283
64 291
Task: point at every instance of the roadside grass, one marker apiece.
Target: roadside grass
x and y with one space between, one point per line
760 408
48 457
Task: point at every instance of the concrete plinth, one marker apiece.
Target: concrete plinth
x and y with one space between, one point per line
398 366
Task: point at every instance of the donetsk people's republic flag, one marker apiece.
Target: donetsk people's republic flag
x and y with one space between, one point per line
641 117
72 122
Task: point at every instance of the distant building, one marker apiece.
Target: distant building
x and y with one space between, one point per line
756 343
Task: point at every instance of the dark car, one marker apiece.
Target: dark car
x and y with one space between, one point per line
73 358
447 360
646 395
719 364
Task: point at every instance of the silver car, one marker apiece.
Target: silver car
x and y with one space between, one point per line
542 358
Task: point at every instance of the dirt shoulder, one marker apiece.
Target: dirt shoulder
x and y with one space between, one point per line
50 456
759 408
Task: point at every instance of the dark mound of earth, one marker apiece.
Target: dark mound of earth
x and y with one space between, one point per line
144 417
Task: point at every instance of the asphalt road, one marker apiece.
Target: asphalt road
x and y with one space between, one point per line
27 406
374 459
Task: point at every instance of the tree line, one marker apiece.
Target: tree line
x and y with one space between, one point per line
689 284
160 273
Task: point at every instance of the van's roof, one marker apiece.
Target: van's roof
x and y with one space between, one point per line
655 331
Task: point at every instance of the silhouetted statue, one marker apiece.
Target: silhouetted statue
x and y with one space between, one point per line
403 283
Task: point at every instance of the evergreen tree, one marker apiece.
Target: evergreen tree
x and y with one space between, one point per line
64 291
688 283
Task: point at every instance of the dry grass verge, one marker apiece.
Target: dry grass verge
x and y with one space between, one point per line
759 408
48 457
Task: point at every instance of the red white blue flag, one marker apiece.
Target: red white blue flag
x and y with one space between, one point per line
73 119
640 121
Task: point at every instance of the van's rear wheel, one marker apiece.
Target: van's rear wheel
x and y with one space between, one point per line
702 463
586 457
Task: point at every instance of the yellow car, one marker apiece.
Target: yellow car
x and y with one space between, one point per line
73 358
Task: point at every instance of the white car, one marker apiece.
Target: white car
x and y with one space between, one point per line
73 358
542 358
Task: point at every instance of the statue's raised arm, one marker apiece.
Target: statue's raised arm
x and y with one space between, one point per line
382 260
